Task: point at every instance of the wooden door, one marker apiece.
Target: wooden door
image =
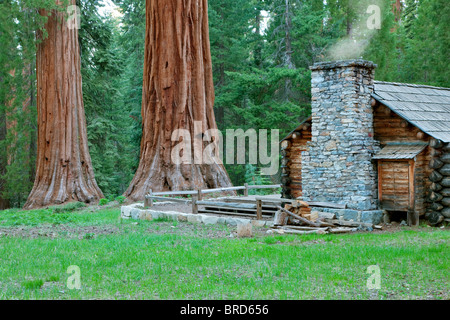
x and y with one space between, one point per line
396 185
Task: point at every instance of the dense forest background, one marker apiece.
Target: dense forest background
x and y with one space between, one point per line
261 51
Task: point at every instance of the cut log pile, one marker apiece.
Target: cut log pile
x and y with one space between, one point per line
301 218
439 210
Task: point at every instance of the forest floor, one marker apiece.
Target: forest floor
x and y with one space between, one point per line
160 259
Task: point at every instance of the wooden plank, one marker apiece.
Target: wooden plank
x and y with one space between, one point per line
292 231
327 205
275 200
272 186
348 223
253 211
341 230
229 213
172 193
227 204
223 189
187 201
306 228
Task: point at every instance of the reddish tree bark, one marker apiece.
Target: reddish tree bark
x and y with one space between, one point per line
178 89
4 203
63 166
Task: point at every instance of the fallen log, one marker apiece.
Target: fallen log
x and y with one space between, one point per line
293 231
342 230
306 228
349 223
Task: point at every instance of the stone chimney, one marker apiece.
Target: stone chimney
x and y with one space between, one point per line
338 167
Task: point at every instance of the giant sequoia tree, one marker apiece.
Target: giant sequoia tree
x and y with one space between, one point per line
178 91
63 167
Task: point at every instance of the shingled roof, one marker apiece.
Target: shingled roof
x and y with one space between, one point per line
426 107
400 151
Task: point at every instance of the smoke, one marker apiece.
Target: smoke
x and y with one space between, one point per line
361 30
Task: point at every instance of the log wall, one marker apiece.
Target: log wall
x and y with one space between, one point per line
389 127
292 163
439 208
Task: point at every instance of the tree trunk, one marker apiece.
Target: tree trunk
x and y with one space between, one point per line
178 90
4 203
63 166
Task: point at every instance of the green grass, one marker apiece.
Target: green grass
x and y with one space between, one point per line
166 260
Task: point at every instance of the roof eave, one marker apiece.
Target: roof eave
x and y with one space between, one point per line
380 100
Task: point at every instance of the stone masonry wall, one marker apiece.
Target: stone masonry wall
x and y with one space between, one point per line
338 167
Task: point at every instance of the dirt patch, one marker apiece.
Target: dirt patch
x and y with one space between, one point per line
172 206
142 227
58 231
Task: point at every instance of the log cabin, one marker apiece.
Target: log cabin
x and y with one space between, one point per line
372 145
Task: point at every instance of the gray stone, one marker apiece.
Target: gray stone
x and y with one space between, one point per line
135 213
231 221
210 219
372 216
194 218
350 215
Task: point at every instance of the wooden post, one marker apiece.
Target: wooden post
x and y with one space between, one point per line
259 209
199 195
148 202
246 189
194 204
413 218
151 200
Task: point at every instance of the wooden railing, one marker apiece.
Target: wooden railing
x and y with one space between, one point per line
197 196
233 203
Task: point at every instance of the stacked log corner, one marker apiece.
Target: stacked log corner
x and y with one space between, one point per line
291 163
285 170
439 196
